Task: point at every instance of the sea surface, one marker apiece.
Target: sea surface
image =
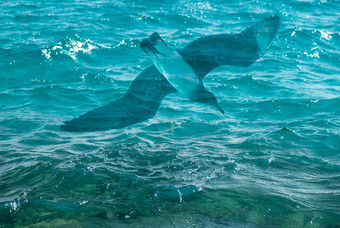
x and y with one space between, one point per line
273 160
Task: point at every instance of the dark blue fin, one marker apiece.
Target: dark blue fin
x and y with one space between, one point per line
243 49
140 103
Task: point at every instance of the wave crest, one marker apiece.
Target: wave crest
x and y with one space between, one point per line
70 46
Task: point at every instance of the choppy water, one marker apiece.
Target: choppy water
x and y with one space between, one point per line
271 161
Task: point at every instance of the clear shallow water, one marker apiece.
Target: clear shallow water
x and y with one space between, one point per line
271 160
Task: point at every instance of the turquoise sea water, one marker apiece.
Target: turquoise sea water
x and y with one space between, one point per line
271 161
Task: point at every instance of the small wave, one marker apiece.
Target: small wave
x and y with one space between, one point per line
126 42
309 44
171 193
70 46
284 134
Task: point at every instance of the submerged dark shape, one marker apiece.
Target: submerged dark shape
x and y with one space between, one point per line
148 89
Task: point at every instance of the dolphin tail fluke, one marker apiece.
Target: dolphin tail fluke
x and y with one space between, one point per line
220 109
140 103
242 49
264 32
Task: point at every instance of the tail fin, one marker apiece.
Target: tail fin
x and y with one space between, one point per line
264 32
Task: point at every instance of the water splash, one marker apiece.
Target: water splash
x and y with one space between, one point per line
70 46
